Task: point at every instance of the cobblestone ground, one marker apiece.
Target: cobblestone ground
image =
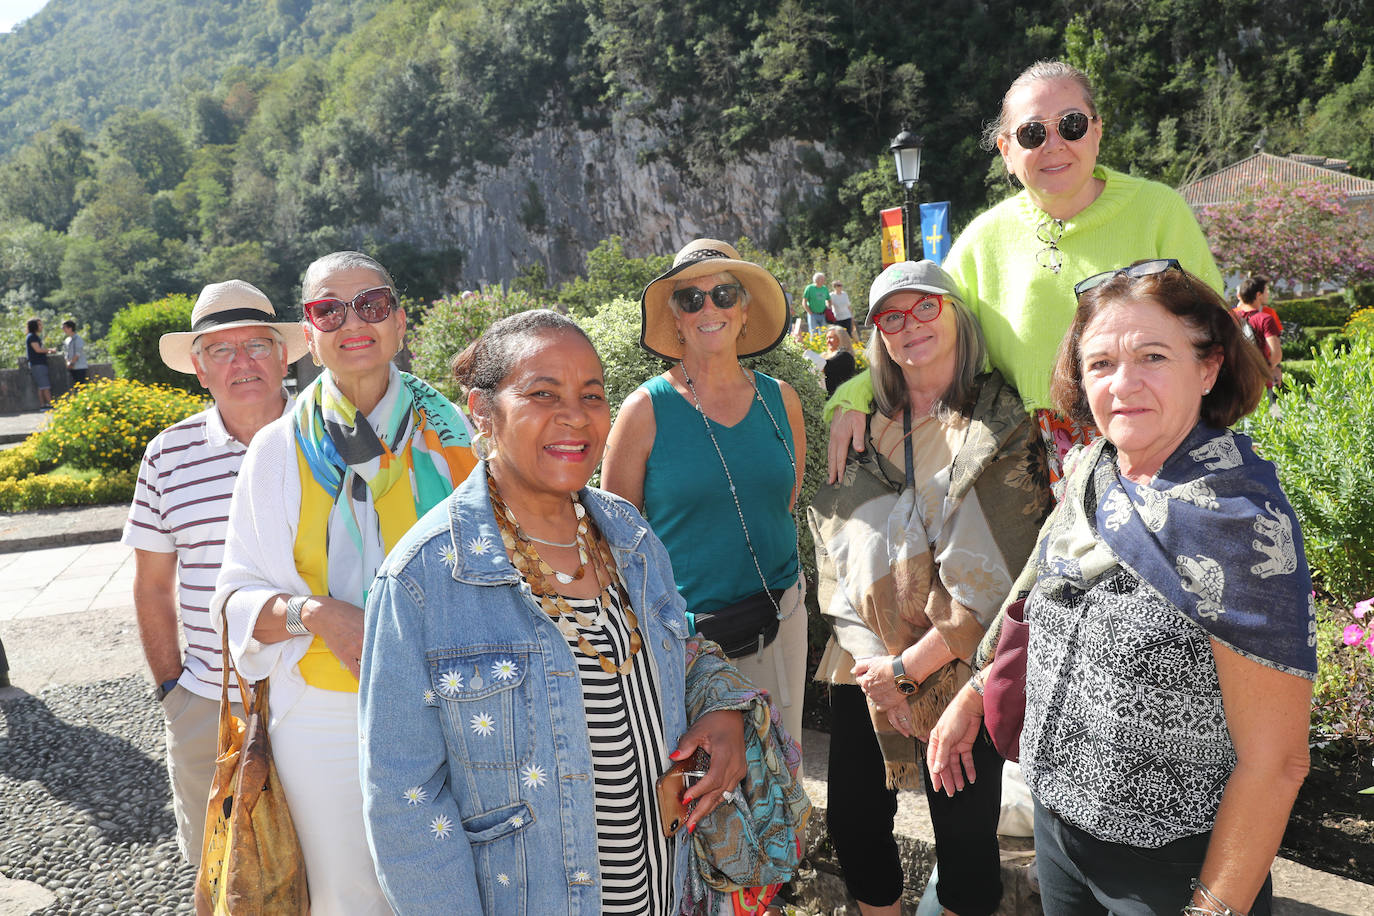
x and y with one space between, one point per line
84 801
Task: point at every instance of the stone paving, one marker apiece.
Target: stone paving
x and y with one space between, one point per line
65 580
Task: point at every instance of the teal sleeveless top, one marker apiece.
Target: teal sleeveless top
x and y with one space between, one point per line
687 497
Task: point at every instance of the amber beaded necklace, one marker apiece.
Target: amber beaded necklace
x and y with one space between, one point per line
592 551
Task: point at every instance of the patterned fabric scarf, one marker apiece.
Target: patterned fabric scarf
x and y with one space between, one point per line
377 485
1212 532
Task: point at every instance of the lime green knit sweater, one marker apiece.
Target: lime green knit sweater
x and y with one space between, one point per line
1023 308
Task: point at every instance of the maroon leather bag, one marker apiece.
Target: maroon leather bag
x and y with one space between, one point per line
1004 686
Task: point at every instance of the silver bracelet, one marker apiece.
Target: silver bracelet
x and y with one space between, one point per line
294 626
1213 905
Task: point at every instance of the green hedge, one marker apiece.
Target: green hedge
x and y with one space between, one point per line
134 335
1319 311
1360 296
52 491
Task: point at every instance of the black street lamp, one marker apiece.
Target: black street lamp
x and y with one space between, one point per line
906 149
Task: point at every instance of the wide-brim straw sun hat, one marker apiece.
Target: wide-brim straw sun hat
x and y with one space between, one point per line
220 307
767 322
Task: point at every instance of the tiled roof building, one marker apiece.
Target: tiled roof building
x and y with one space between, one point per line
1224 185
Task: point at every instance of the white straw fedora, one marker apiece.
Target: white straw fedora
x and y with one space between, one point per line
221 306
701 258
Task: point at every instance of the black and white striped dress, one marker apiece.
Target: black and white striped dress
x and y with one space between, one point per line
625 727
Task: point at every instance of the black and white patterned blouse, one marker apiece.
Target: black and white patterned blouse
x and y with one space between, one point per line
625 727
1125 734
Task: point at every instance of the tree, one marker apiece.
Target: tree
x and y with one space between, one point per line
1302 234
150 143
40 183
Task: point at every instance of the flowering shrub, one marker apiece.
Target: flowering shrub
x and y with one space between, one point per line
22 461
50 491
1302 233
106 425
1361 323
451 324
1343 697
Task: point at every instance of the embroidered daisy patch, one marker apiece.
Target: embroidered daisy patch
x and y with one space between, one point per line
450 682
582 876
483 723
503 879
429 696
517 820
504 670
441 827
448 555
533 776
415 795
479 546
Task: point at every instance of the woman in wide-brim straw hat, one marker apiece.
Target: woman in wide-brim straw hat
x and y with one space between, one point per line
713 454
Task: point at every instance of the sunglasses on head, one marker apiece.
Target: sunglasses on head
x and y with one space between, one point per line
1072 126
1135 272
689 299
371 305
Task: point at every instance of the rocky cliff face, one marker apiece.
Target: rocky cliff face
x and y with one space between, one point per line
565 189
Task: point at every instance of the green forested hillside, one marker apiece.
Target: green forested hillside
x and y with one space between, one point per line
80 60
281 127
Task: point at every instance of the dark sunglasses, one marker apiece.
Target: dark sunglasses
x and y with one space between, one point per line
371 305
924 310
1072 126
689 299
1135 272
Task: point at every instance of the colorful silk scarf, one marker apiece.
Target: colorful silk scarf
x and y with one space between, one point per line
375 482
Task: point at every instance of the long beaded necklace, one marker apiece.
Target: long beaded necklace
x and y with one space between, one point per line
593 551
748 542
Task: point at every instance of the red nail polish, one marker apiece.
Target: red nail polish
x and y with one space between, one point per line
691 828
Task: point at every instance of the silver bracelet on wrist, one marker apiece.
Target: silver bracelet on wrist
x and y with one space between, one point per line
1212 904
294 626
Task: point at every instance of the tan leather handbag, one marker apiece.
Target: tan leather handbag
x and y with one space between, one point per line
251 863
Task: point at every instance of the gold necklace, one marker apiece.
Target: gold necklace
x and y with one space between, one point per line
593 551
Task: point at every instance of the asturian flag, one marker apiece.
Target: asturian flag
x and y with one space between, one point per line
935 230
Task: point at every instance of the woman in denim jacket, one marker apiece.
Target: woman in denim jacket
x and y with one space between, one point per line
526 666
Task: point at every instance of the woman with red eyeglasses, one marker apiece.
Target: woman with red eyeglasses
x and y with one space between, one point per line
323 494
1017 262
916 548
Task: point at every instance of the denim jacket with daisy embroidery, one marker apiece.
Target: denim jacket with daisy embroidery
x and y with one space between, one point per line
476 767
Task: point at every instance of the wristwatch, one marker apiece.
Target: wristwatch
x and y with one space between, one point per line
905 685
165 688
293 615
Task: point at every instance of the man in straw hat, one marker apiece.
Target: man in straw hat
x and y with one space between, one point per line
239 351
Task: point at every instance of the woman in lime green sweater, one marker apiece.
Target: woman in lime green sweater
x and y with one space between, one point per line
1017 262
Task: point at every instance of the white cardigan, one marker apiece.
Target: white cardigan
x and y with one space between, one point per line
259 562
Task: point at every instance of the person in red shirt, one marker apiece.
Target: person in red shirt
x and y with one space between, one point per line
1259 324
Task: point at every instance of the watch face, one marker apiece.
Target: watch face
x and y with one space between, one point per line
906 685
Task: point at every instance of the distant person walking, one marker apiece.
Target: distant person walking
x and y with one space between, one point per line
1260 325
179 516
38 362
840 308
817 297
74 352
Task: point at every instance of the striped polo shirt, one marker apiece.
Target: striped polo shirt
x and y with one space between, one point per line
181 504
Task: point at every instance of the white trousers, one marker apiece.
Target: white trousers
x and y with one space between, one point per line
315 746
781 668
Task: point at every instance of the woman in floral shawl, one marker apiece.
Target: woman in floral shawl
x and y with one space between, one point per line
1172 641
917 545
323 494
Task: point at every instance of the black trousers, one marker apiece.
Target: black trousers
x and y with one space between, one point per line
1081 875
860 810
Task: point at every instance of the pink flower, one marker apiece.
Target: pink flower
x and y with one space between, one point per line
1362 608
1353 634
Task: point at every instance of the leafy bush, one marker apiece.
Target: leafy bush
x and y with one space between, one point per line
1297 372
106 425
451 324
51 491
1318 311
1360 324
610 275
23 461
1360 296
133 338
1323 445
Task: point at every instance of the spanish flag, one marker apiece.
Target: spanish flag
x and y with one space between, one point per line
894 246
